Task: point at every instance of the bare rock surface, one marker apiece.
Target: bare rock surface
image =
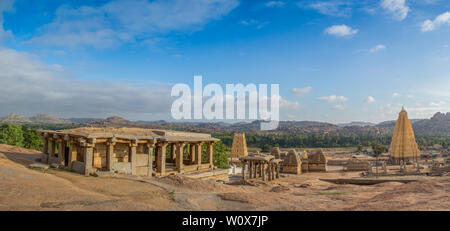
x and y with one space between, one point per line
24 188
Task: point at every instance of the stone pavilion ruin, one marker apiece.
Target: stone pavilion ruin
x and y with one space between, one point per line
134 151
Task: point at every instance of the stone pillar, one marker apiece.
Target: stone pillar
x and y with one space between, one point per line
88 157
173 151
162 158
61 150
179 157
72 154
157 155
269 172
250 169
192 152
198 158
277 171
263 172
110 153
209 153
150 158
243 170
45 146
133 145
51 151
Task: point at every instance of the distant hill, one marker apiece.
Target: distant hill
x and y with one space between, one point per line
438 124
82 120
15 119
47 119
356 123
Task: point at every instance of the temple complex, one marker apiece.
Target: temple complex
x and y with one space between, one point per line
239 146
135 151
403 147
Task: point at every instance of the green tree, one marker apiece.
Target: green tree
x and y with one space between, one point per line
378 149
220 155
11 134
359 148
31 138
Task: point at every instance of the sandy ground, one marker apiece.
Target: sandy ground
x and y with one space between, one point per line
22 188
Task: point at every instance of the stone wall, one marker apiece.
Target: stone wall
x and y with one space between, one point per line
358 165
121 152
100 155
121 167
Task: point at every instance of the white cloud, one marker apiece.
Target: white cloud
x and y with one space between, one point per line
332 98
301 91
332 8
397 8
438 104
275 4
286 104
442 19
341 30
377 48
338 107
253 22
369 99
30 86
395 94
123 21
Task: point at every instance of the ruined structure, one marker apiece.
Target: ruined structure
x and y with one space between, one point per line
358 165
317 162
276 152
292 163
132 151
261 165
239 146
403 146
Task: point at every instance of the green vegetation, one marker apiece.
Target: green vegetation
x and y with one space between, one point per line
20 136
378 149
220 155
265 142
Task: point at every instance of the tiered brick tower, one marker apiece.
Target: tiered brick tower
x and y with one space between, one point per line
239 147
403 145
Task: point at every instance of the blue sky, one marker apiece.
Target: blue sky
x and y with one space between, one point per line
335 61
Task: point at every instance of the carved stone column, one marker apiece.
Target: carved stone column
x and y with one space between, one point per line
88 156
198 158
209 153
150 147
263 171
72 153
45 140
243 170
133 145
51 151
61 151
110 153
173 151
192 152
162 158
179 157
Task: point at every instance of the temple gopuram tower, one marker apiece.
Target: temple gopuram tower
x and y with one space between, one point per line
403 145
239 147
